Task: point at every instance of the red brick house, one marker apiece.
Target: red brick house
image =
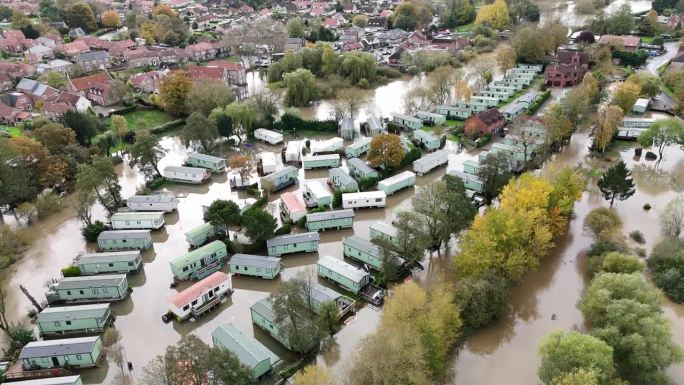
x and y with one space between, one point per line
54 111
568 71
485 122
96 88
207 73
235 72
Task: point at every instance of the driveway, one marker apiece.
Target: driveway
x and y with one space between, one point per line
654 63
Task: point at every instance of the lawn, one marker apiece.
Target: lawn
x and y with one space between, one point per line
13 131
152 118
465 27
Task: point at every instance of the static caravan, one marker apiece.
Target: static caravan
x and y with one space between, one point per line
633 127
397 182
319 294
336 219
316 195
374 127
154 202
84 352
457 111
263 316
267 162
80 319
125 240
330 145
534 68
320 161
292 208
200 297
360 170
512 110
293 152
366 252
486 100
109 262
268 136
200 234
200 262
471 182
358 148
429 162
95 288
293 243
250 352
343 181
347 129
152 220
280 179
471 167
192 175
500 83
431 117
407 121
211 163
367 199
348 276
427 139
255 265
383 230
68 380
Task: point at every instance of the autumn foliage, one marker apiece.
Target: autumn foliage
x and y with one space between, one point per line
386 151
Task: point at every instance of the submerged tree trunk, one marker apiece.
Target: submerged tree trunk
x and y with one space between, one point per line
30 298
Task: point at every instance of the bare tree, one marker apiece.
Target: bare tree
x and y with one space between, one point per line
483 72
672 218
523 136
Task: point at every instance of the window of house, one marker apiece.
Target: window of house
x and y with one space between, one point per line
193 302
67 322
57 323
80 291
186 307
78 357
68 292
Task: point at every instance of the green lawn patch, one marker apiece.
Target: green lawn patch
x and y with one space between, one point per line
152 118
454 123
454 138
465 27
16 131
647 39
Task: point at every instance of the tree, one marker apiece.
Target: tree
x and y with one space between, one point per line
301 88
244 166
672 218
576 105
567 352
33 155
529 45
463 90
327 321
81 15
100 177
649 23
386 151
666 264
146 152
410 242
577 377
663 133
83 201
295 28
259 225
616 183
173 92
360 21
348 102
609 120
226 369
164 9
602 222
223 214
200 132
20 20
482 299
205 96
54 79
494 172
242 115
18 184
495 15
506 58
110 19
649 84
626 95
615 262
85 126
409 15
292 309
49 11
54 137
459 12
440 83
313 375
120 126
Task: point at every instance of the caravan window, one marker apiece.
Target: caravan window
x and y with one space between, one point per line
186 307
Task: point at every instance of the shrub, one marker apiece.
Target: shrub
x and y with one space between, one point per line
602 222
71 271
651 155
366 183
538 102
412 155
48 203
667 265
289 122
162 128
92 231
606 245
637 236
482 300
283 230
363 83
647 206
620 263
388 72
156 183
633 59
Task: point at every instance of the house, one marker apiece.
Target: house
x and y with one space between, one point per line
250 352
95 288
80 319
93 60
379 22
109 262
336 219
73 100
84 352
96 88
201 52
200 297
39 53
488 122
207 73
293 243
74 48
200 262
255 265
125 240
624 43
569 69
133 220
148 82
11 116
54 111
235 72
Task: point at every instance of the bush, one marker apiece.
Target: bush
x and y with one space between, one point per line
602 222
647 206
620 263
633 59
412 155
658 40
92 231
283 230
538 102
651 155
388 72
482 300
253 191
71 271
366 183
606 245
363 84
289 122
637 236
667 265
156 183
168 126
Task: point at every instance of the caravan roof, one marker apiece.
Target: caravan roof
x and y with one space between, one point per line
342 268
188 295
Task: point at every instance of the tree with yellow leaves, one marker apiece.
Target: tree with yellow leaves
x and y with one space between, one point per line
506 58
386 151
495 15
163 9
609 120
110 19
313 375
626 95
463 90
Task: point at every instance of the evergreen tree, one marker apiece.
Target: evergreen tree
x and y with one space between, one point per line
617 183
